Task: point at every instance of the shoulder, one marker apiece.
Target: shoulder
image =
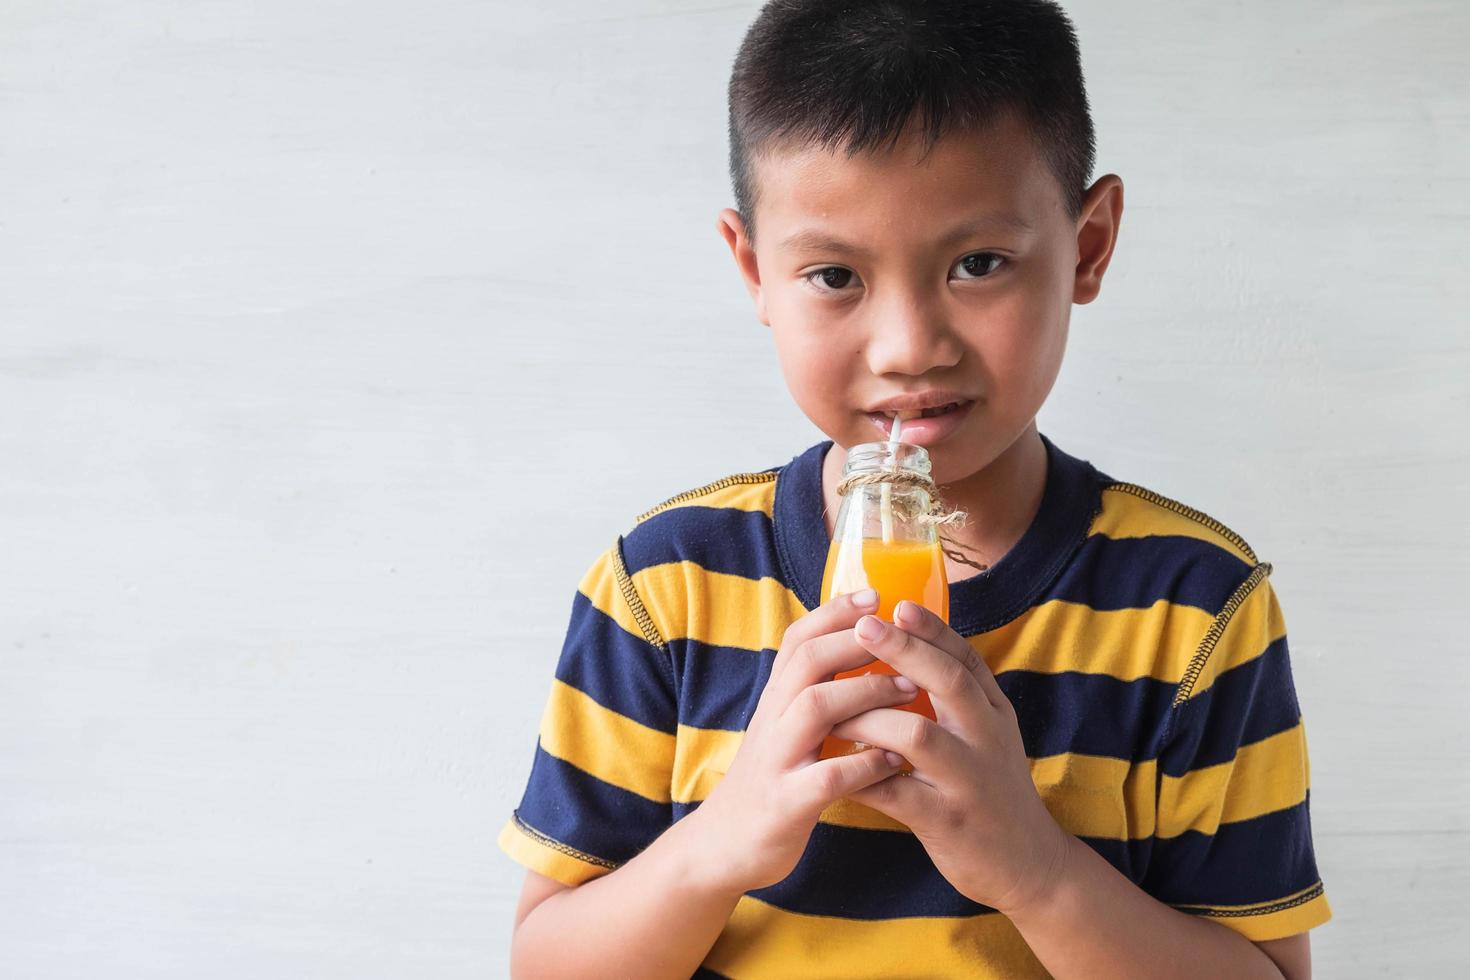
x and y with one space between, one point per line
712 524
1174 573
1129 511
1151 548
745 492
714 541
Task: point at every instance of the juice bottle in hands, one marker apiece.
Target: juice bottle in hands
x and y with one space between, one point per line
880 543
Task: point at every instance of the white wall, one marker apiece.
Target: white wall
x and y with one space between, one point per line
312 319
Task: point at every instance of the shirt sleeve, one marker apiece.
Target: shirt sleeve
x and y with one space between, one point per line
599 790
1233 839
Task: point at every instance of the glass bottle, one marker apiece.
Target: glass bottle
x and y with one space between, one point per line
901 557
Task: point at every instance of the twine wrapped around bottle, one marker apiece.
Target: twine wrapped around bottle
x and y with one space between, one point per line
936 515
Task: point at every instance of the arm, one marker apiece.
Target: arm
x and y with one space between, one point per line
1093 922
659 913
974 807
656 916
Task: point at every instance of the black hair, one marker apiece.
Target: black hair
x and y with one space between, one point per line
855 73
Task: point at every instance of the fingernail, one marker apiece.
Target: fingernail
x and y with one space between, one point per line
893 758
907 613
869 628
904 684
865 598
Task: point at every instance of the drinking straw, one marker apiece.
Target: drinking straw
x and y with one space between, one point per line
885 500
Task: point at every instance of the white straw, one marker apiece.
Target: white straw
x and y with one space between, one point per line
885 501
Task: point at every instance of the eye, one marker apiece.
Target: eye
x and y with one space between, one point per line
830 279
977 265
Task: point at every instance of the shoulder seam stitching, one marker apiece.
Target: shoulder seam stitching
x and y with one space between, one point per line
641 616
1183 510
765 476
1217 629
635 602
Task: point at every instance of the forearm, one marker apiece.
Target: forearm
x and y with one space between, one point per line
656 916
1093 922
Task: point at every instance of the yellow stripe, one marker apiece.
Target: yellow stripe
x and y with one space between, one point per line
543 857
1127 644
743 491
613 747
758 498
600 586
1264 777
1256 624
1258 923
846 813
1091 796
701 759
689 601
1095 796
761 940
1140 513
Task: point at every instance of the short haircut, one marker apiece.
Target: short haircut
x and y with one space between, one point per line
855 73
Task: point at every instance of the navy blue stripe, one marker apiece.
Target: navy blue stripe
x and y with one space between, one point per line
1068 712
719 539
705 973
719 686
1245 863
867 874
1106 573
1245 704
857 873
617 669
1092 713
1135 573
597 818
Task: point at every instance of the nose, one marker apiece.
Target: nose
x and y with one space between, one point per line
912 338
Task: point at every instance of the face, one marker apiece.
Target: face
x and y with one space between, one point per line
895 283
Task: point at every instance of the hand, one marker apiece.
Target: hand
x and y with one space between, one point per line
970 800
757 820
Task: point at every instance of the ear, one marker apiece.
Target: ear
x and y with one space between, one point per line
1097 233
732 229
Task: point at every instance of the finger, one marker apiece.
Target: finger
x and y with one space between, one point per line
904 798
818 708
955 692
837 613
923 623
817 660
828 780
937 754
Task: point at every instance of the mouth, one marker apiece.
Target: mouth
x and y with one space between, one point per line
924 426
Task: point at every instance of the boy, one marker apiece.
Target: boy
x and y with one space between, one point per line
1116 782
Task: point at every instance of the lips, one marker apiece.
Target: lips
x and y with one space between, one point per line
925 426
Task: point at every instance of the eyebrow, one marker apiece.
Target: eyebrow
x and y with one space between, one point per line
816 240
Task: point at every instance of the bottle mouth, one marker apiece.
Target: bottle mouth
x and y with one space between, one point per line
872 457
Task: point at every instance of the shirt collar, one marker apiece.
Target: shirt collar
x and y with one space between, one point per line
981 602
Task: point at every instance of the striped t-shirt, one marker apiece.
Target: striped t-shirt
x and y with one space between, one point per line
1139 641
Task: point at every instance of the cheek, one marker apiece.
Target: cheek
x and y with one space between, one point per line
1025 358
811 364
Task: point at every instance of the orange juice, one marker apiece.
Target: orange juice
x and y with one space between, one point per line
898 570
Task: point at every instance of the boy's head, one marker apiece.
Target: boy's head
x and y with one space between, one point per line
913 210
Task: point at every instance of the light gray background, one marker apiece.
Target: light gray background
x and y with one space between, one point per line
337 338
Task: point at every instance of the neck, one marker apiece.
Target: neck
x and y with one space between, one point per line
1001 498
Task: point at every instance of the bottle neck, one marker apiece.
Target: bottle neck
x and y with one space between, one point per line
885 491
880 457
